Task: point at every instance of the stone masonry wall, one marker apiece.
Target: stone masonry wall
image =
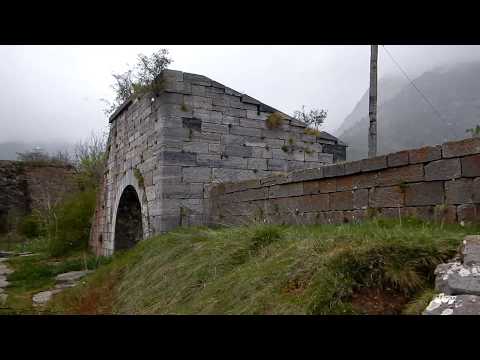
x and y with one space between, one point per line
174 146
25 188
433 183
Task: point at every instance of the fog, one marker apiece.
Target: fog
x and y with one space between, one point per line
52 93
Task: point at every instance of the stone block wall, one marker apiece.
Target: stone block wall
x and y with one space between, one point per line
432 183
25 188
172 147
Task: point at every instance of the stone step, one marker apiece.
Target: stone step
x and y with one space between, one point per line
71 276
454 305
43 297
457 279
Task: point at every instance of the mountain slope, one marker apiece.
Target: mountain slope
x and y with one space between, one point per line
407 121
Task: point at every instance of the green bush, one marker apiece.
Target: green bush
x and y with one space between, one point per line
70 227
31 227
265 235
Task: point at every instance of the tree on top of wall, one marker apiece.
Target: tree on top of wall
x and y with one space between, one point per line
144 77
313 119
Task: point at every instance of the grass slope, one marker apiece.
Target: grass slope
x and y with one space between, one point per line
269 269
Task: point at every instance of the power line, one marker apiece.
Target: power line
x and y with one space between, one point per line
413 84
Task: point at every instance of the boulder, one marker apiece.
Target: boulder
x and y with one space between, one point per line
471 250
454 305
455 279
43 297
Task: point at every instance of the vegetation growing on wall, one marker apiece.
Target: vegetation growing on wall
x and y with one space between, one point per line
313 119
144 77
274 120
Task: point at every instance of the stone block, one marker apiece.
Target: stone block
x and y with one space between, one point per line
310 203
279 154
198 90
230 120
453 305
197 174
425 154
476 190
253 194
222 174
391 196
277 164
180 190
427 193
471 166
345 183
375 163
242 185
259 152
471 250
468 213
398 175
360 199
239 130
196 147
305 175
443 170
214 128
253 123
445 214
459 191
353 167
325 158
461 148
296 165
177 158
399 158
364 180
234 162
334 170
342 200
285 190
259 164
235 150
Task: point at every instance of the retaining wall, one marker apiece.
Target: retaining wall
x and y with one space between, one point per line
432 183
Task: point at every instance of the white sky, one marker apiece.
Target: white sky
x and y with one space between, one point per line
52 92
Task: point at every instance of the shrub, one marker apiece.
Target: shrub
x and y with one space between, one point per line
274 120
265 235
70 227
31 227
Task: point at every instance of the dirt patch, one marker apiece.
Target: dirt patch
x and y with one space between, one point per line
379 302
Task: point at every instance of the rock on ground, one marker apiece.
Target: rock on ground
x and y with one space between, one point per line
454 305
43 297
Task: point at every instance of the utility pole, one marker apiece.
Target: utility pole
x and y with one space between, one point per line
372 106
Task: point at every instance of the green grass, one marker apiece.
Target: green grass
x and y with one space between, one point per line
267 269
33 274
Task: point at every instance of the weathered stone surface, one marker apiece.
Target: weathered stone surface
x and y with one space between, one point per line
353 167
425 154
398 175
392 196
471 250
360 199
442 170
468 213
398 159
43 297
457 279
471 166
341 200
454 305
305 175
428 193
334 170
71 276
197 174
285 190
376 163
3 282
459 191
345 183
461 148
318 202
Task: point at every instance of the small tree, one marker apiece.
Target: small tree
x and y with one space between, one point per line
143 77
313 119
475 132
89 159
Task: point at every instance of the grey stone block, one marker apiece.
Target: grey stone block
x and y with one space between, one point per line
197 174
214 128
239 130
442 170
235 150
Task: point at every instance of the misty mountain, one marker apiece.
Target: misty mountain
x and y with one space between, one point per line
406 120
9 150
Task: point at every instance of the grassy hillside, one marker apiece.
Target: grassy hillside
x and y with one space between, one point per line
380 267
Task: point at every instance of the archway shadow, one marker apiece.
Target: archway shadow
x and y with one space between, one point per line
128 225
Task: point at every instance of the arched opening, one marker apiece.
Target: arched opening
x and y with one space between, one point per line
128 225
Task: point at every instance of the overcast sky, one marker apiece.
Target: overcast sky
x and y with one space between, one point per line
53 92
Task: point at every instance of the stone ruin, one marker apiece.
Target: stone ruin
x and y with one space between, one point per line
165 152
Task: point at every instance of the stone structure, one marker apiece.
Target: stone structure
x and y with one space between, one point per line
25 187
433 183
458 282
165 151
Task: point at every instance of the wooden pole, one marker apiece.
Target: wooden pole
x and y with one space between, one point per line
372 108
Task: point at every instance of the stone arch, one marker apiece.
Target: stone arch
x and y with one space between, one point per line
128 228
